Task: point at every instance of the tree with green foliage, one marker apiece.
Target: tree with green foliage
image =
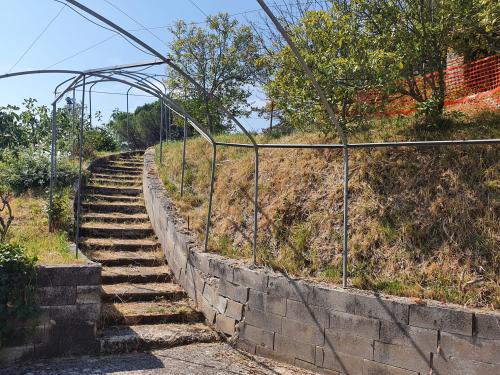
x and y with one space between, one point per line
344 60
141 129
360 48
222 59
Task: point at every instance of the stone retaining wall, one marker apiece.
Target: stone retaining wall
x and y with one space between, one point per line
319 327
69 299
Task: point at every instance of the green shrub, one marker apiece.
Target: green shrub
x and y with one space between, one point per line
100 140
17 289
61 210
28 169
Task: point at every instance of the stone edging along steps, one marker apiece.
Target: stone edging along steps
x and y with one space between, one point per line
320 327
141 307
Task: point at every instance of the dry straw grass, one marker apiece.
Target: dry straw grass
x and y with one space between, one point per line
423 222
30 229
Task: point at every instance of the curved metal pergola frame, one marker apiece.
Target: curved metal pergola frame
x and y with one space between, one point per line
140 82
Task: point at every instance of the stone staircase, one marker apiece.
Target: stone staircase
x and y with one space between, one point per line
142 308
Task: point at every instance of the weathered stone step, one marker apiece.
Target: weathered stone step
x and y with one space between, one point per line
126 258
112 198
125 163
128 339
136 183
128 292
114 190
122 207
135 274
117 170
154 312
119 218
106 176
104 230
119 245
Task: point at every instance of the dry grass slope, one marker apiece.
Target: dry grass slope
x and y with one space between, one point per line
423 222
30 229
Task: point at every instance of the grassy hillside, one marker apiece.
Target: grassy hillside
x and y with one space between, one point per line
423 222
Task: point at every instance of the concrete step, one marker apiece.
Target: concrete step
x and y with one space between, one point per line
119 218
128 292
125 163
134 183
135 274
112 198
115 340
117 170
114 190
105 176
124 231
127 208
154 312
128 258
119 245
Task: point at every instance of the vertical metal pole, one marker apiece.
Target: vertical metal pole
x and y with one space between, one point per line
90 105
73 122
346 216
184 155
169 119
79 191
52 166
210 197
128 122
256 207
161 131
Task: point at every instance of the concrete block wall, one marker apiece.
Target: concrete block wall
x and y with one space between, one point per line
69 301
319 327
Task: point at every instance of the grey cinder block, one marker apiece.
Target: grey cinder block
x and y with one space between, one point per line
332 299
457 366
469 348
234 309
445 319
60 295
381 308
405 357
354 324
375 368
284 287
299 331
252 279
266 321
295 349
266 302
349 344
225 324
233 291
488 325
307 313
341 362
88 294
257 336
401 334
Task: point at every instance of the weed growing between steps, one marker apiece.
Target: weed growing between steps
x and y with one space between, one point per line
423 222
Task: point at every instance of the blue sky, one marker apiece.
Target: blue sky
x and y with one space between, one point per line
21 21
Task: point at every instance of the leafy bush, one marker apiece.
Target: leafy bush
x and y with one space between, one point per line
31 170
61 210
17 276
99 139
